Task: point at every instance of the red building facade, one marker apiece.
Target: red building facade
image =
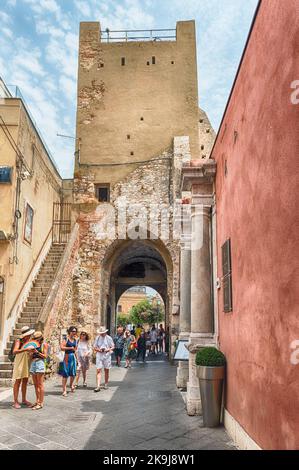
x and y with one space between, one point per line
257 156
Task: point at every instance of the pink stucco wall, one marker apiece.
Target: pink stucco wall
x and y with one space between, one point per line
258 208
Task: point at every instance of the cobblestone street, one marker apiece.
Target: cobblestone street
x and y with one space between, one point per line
142 410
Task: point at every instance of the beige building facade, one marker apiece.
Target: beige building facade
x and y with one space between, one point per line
29 186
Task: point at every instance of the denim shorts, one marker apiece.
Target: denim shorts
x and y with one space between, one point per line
38 367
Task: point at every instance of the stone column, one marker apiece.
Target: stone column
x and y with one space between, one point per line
199 177
185 309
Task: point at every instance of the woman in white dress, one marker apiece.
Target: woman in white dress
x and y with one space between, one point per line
84 352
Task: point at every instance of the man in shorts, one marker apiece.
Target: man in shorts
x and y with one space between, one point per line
103 346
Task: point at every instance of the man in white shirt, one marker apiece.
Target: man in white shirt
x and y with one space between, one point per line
103 346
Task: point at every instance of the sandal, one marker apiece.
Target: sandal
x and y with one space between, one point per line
27 403
16 406
73 389
37 407
64 394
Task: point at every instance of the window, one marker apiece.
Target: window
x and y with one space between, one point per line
119 308
132 153
172 62
101 64
5 174
141 119
227 276
123 61
153 60
202 147
102 192
128 136
147 62
28 226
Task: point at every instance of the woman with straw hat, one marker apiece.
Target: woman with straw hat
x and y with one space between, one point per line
21 372
38 368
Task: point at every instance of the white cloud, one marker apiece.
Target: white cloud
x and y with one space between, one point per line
29 60
47 74
69 88
83 8
4 17
7 32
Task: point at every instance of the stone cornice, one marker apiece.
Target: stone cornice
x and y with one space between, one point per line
197 172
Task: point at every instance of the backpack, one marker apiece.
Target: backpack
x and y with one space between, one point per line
11 355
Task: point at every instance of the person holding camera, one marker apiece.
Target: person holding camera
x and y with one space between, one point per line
103 347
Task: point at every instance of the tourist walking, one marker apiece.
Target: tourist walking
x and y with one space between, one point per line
119 340
154 339
21 367
84 352
103 346
130 348
141 346
161 339
138 331
38 368
68 367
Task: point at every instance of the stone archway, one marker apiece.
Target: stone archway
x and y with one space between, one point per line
136 262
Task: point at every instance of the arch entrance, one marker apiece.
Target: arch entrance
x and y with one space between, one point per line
133 263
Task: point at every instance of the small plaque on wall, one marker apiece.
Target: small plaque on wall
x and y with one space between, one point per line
181 352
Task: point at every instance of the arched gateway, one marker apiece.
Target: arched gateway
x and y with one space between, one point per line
133 263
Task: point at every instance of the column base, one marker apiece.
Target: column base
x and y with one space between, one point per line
182 375
193 401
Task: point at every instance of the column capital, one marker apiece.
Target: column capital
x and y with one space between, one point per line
197 172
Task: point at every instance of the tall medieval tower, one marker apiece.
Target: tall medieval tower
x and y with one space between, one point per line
137 122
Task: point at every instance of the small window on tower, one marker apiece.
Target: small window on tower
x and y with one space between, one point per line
102 192
153 60
123 61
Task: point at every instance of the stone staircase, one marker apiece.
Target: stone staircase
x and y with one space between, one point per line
30 313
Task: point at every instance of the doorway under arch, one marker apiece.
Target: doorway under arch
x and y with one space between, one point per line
131 263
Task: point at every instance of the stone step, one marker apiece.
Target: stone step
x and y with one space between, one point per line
6 365
17 331
29 322
4 358
5 374
5 383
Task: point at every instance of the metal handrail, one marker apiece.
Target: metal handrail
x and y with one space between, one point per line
106 34
33 266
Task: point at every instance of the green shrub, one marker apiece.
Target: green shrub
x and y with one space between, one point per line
210 357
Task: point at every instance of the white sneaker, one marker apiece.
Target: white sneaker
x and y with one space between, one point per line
105 387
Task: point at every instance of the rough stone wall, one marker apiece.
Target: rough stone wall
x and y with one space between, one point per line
207 135
152 183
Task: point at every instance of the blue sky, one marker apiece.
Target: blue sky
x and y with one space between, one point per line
39 46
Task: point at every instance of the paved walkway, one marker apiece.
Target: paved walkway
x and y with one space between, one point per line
142 410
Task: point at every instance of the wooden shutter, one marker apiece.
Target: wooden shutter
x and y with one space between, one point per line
227 277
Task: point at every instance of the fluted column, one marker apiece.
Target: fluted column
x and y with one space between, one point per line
198 177
185 309
201 313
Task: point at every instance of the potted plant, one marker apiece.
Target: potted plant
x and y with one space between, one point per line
210 371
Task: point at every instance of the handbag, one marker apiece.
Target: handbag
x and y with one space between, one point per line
59 356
